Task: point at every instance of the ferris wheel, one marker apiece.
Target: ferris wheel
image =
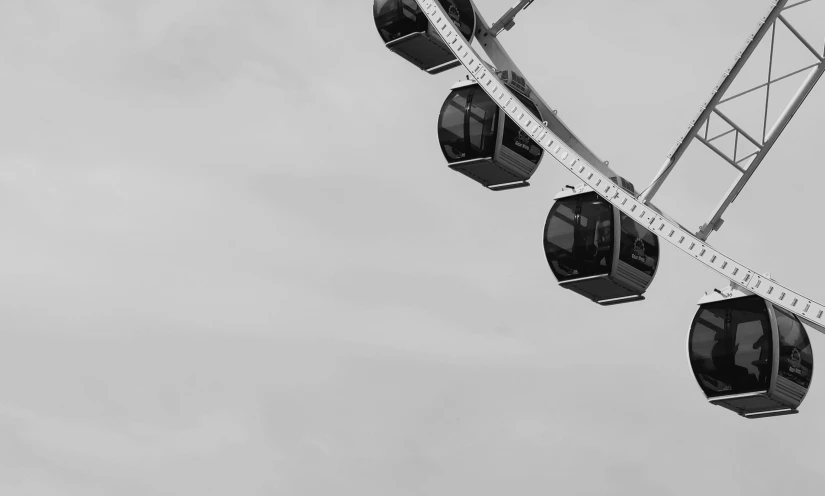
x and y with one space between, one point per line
747 344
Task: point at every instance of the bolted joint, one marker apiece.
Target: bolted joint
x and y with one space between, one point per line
707 229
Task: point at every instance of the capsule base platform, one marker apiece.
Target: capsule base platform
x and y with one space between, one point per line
443 67
505 187
424 52
490 174
778 413
604 290
755 405
619 301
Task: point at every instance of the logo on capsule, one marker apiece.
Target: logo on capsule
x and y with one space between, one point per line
796 362
454 14
523 140
639 250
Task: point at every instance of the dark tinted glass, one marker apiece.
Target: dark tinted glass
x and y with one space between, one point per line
708 327
796 359
451 128
578 237
559 238
517 140
397 18
753 343
639 247
462 14
467 125
730 347
482 119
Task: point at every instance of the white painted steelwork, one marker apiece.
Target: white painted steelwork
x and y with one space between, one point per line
809 311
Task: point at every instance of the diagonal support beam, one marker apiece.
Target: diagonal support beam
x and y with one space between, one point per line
797 4
786 76
721 154
709 140
728 79
737 127
801 38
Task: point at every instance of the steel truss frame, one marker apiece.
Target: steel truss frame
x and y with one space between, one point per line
699 128
592 175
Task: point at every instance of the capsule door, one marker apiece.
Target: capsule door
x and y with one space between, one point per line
638 257
405 29
794 359
579 244
516 150
468 125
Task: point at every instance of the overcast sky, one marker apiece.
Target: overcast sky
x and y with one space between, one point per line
234 260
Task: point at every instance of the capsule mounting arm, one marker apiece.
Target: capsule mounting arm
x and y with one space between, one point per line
507 21
486 37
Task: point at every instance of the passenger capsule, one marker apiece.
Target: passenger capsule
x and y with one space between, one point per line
596 250
406 31
484 145
750 356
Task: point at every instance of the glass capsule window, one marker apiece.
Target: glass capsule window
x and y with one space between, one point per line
578 237
482 117
451 132
730 347
398 18
639 247
467 125
517 140
796 361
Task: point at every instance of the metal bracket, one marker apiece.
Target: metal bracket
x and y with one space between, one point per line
507 21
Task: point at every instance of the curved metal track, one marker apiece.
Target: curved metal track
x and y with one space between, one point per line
808 310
